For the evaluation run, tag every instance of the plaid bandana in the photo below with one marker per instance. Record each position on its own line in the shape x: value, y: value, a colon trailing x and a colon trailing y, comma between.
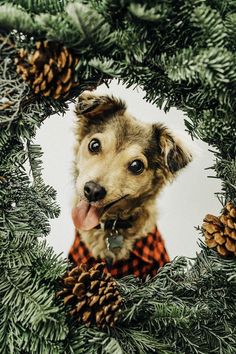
x: 147, y: 256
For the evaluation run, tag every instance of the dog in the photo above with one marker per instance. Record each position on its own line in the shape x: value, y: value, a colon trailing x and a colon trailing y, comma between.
x: 120, y: 166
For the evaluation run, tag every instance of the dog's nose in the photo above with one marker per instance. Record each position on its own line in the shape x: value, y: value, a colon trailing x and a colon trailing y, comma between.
x: 93, y: 191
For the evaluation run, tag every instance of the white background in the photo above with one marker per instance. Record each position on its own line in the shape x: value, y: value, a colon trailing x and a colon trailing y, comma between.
x: 182, y: 205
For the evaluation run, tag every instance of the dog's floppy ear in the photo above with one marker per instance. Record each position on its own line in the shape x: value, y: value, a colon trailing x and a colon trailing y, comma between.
x: 97, y: 107
x: 174, y: 153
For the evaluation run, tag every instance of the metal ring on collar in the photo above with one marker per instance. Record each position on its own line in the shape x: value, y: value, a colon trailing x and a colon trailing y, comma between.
x: 114, y: 224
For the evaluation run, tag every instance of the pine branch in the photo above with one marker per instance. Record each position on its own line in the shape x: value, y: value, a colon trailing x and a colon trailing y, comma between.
x: 12, y: 17
x: 38, y: 6
x: 211, y: 67
x: 230, y: 22
x: 108, y: 67
x: 210, y: 25
x: 91, y: 27
x: 155, y: 14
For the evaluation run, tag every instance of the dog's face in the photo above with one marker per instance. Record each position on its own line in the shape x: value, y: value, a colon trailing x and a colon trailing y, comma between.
x: 120, y: 162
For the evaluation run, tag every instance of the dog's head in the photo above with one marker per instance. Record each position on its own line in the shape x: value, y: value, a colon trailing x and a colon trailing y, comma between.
x: 120, y: 162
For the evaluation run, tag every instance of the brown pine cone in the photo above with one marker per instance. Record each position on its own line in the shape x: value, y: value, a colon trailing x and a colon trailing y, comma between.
x: 92, y: 295
x: 49, y: 69
x: 220, y: 232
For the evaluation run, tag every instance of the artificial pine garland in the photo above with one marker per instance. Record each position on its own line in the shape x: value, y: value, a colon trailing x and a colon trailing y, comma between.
x: 182, y: 53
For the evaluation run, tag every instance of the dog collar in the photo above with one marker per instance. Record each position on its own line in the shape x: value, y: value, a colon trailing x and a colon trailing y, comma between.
x: 115, y: 224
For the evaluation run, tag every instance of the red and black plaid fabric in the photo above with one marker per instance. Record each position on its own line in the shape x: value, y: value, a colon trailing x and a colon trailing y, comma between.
x: 147, y: 256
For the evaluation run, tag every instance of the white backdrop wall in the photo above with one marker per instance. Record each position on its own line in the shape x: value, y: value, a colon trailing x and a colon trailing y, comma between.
x: 182, y: 204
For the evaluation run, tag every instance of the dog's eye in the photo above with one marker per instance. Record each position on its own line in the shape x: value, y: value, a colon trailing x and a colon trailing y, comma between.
x: 94, y: 146
x: 136, y: 167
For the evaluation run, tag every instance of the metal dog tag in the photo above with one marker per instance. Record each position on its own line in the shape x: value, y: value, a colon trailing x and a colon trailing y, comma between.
x: 114, y: 241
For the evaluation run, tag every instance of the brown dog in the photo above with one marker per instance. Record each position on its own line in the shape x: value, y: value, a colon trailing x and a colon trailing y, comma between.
x: 120, y: 167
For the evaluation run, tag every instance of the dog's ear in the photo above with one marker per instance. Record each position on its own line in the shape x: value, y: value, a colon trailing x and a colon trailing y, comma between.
x: 97, y: 108
x: 175, y: 155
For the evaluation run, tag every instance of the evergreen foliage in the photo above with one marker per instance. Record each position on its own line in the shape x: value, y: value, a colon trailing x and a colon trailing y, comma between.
x: 182, y: 53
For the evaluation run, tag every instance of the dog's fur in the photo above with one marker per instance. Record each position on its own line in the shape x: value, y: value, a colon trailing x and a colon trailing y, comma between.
x: 123, y: 140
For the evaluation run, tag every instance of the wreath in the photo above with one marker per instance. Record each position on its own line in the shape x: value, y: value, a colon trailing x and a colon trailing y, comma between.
x: 182, y: 54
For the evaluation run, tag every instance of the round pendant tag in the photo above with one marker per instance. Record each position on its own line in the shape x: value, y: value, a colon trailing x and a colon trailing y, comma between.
x: 114, y: 241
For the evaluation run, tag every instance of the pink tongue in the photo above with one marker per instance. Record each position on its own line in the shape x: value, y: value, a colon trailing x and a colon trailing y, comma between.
x: 85, y: 216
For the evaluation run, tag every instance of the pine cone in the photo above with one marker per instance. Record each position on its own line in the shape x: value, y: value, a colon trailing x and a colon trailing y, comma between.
x: 49, y: 69
x: 220, y: 232
x: 92, y: 295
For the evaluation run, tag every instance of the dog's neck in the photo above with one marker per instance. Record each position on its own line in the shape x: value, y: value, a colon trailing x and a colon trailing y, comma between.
x: 143, y: 219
